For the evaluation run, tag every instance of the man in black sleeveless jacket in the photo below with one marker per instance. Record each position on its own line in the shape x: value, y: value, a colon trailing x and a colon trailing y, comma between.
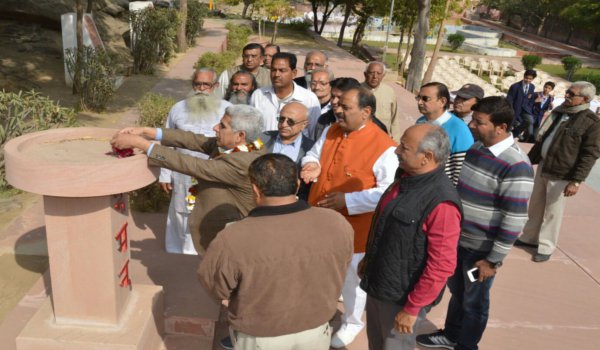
x: 411, y: 250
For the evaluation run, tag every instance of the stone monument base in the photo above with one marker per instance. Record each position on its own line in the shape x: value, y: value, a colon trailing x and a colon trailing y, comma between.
x: 140, y: 328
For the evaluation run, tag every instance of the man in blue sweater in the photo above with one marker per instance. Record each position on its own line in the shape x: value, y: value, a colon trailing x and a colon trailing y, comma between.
x: 433, y: 101
x: 494, y: 187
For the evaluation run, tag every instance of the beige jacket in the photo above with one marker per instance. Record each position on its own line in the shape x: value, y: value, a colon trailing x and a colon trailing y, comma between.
x: 224, y: 189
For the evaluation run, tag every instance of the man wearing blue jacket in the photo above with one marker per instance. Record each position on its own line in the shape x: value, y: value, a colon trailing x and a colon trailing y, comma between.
x: 521, y: 97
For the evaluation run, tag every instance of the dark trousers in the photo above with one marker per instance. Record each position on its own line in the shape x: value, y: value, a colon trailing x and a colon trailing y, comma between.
x: 526, y: 125
x: 469, y: 305
x: 380, y: 327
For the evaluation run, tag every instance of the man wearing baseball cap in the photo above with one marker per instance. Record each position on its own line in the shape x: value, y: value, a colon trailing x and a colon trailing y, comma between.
x: 464, y: 99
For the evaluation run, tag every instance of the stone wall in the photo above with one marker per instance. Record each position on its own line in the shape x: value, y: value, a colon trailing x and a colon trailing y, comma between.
x: 51, y: 10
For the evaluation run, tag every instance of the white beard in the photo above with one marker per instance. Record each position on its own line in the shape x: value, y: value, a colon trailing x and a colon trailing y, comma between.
x: 202, y: 105
x: 239, y: 98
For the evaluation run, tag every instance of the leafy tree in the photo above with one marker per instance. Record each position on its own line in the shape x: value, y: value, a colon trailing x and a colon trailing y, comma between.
x: 456, y: 40
x: 586, y: 13
x: 530, y: 61
x: 276, y: 10
x: 571, y: 65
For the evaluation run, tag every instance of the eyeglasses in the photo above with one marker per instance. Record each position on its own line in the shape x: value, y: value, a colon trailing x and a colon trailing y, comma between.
x: 202, y: 84
x: 290, y: 121
x: 424, y: 98
x: 570, y: 92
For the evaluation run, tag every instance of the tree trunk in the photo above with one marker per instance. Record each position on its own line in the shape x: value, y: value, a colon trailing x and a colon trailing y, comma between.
x: 325, y: 18
x: 358, y: 34
x: 315, y: 10
x: 399, y: 46
x: 571, y: 30
x: 275, y: 31
x: 438, y: 46
x: 79, y: 50
x: 181, y: 38
x: 541, y: 26
x: 346, y: 16
x: 415, y: 69
x: 595, y: 42
x: 408, y: 49
x: 245, y: 10
x: 89, y: 6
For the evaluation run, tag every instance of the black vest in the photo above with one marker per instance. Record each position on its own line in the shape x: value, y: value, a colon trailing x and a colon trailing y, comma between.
x: 397, y: 246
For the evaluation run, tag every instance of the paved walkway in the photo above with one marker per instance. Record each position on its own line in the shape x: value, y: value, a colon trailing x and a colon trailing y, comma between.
x: 554, y: 305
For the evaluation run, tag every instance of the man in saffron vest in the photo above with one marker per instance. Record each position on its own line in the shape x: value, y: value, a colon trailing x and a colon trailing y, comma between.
x: 351, y: 165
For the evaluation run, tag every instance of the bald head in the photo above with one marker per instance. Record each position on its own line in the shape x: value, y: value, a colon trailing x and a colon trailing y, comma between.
x: 293, y: 118
x: 423, y: 148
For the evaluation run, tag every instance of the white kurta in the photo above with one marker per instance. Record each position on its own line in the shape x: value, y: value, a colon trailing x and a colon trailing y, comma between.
x: 177, y: 233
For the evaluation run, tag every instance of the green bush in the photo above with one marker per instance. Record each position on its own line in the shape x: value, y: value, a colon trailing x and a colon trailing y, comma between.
x: 154, y: 109
x: 25, y: 112
x: 456, y: 40
x: 154, y: 33
x: 530, y: 61
x: 571, y: 65
x: 594, y: 79
x: 237, y: 38
x: 98, y: 75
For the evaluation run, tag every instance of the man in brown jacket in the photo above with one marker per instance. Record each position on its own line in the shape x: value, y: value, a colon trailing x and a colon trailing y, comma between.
x: 281, y: 273
x: 566, y: 149
x: 224, y: 191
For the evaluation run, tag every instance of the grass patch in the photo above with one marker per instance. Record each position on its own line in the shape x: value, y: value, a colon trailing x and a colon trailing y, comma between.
x: 288, y: 35
x: 558, y: 71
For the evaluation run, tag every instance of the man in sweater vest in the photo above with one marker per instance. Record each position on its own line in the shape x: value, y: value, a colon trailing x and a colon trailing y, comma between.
x: 353, y: 162
x: 411, y: 250
x: 494, y: 185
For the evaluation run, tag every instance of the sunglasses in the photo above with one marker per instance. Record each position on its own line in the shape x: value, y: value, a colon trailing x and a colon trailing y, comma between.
x: 571, y: 93
x: 424, y: 98
x: 290, y: 122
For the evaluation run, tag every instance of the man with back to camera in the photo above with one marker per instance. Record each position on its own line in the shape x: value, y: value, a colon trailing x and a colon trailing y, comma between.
x: 281, y: 273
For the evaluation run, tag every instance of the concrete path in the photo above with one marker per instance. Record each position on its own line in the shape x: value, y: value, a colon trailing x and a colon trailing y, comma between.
x: 554, y: 305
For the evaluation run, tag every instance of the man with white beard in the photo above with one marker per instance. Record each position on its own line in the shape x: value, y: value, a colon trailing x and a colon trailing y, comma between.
x: 199, y: 112
x: 241, y: 86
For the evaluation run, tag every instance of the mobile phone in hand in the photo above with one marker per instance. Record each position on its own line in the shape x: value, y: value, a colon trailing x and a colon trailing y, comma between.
x: 473, y: 274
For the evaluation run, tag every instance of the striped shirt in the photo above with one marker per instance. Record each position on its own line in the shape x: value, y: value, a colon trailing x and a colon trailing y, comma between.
x: 494, y: 186
x: 460, y: 138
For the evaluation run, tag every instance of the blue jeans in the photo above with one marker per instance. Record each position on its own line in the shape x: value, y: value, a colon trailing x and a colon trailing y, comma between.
x: 469, y: 305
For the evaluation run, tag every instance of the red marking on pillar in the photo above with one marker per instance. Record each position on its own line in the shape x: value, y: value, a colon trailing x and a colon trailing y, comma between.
x: 124, y: 275
x: 121, y: 237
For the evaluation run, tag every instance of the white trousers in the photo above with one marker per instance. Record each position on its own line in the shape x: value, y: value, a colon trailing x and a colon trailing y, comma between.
x: 355, y: 299
x: 546, y: 208
x: 312, y: 339
x: 178, y: 238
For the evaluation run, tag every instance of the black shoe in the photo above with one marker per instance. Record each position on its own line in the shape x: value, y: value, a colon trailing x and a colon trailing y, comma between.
x: 541, y: 257
x: 519, y: 243
x: 226, y: 343
x: 435, y: 340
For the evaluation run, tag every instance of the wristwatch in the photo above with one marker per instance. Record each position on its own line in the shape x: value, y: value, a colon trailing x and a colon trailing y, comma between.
x: 494, y: 265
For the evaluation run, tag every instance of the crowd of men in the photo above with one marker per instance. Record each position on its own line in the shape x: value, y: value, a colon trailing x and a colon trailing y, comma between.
x: 307, y: 191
